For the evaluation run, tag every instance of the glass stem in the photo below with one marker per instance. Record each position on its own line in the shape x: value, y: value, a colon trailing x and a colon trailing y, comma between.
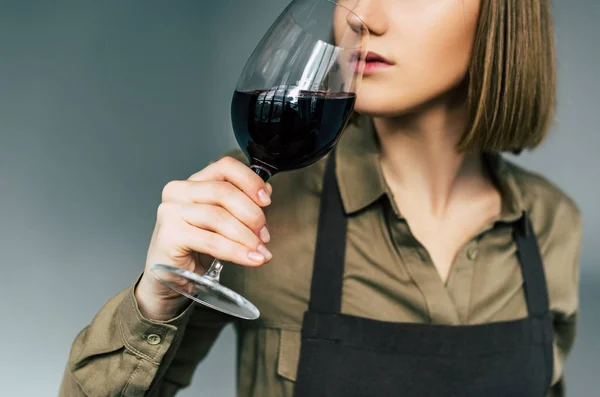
x: 264, y: 173
x: 214, y: 272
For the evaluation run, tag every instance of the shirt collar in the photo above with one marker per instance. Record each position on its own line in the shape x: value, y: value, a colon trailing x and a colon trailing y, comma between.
x: 361, y: 179
x: 511, y: 190
x: 358, y: 169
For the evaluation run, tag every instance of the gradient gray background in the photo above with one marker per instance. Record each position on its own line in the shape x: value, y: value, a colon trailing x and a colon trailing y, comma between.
x: 103, y: 102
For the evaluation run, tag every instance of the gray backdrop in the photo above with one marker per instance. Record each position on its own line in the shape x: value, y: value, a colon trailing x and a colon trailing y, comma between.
x: 103, y: 102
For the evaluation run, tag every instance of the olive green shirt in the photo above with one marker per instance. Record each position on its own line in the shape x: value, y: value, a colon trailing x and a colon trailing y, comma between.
x: 388, y: 276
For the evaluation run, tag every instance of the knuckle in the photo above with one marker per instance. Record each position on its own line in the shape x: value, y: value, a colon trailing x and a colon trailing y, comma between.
x: 224, y: 190
x: 253, y: 181
x: 216, y: 214
x: 168, y: 236
x: 171, y: 189
x: 227, y: 161
x: 196, y: 174
x: 165, y: 210
x: 214, y: 219
x: 252, y: 242
x: 230, y: 189
x: 257, y: 218
x: 210, y: 242
x: 243, y: 235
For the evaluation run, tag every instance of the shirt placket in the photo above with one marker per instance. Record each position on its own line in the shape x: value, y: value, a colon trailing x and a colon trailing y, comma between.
x: 460, y: 280
x: 421, y: 269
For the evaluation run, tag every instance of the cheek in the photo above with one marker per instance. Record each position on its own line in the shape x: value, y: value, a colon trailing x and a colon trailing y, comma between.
x: 431, y: 45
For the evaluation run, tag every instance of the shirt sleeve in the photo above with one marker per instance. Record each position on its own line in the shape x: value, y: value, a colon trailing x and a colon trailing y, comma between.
x: 121, y: 353
x: 562, y: 256
x: 564, y: 334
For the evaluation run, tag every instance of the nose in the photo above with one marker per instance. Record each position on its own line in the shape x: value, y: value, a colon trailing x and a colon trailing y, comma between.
x: 355, y: 22
x: 372, y: 14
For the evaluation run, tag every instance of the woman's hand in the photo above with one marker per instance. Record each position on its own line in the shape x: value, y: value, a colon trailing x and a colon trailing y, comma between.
x: 217, y: 212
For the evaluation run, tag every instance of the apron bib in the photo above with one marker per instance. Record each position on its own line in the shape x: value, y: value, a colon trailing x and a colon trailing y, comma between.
x: 349, y: 356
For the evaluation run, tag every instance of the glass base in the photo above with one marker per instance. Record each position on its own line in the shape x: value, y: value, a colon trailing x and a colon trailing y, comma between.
x: 207, y: 291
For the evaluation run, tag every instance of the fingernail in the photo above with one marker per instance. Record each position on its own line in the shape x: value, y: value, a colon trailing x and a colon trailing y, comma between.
x: 256, y: 257
x: 264, y: 235
x: 269, y: 188
x: 263, y: 196
x: 265, y: 252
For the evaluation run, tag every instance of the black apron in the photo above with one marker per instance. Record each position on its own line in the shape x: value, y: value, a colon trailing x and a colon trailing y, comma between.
x: 348, y: 356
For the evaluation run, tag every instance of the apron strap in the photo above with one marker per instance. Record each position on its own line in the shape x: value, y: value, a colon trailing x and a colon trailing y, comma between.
x: 330, y: 250
x: 532, y: 267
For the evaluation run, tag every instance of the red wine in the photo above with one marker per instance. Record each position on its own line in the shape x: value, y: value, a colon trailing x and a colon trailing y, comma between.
x: 284, y: 129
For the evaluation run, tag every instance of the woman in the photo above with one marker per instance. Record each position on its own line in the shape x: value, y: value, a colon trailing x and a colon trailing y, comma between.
x: 414, y: 260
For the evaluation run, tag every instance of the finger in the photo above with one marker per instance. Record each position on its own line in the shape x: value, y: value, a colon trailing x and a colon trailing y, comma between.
x: 222, y: 194
x: 233, y: 171
x: 218, y: 220
x: 217, y: 246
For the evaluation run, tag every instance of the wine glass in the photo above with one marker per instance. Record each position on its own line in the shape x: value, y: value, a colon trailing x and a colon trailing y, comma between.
x: 291, y: 104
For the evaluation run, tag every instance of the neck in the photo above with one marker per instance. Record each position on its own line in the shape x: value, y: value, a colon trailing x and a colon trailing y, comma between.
x: 420, y: 160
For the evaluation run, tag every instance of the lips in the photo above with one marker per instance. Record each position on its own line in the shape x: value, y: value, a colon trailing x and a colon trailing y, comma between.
x: 375, y: 57
x: 374, y: 63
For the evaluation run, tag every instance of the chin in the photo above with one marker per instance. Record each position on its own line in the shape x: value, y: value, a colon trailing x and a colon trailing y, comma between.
x: 378, y: 104
x: 387, y: 102
x: 389, y: 97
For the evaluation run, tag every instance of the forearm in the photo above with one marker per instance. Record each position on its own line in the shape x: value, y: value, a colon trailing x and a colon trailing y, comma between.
x: 121, y: 352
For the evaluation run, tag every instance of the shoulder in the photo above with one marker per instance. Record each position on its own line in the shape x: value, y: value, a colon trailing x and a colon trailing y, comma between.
x: 546, y: 202
x: 557, y: 223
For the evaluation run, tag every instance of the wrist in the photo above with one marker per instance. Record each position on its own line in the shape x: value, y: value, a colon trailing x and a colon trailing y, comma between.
x: 157, y: 308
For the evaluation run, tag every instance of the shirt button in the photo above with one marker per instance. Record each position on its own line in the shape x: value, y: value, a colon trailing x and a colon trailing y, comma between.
x: 153, y: 339
x: 472, y: 253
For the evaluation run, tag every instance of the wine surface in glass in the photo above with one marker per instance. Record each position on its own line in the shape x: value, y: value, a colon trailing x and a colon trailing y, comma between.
x: 284, y: 128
